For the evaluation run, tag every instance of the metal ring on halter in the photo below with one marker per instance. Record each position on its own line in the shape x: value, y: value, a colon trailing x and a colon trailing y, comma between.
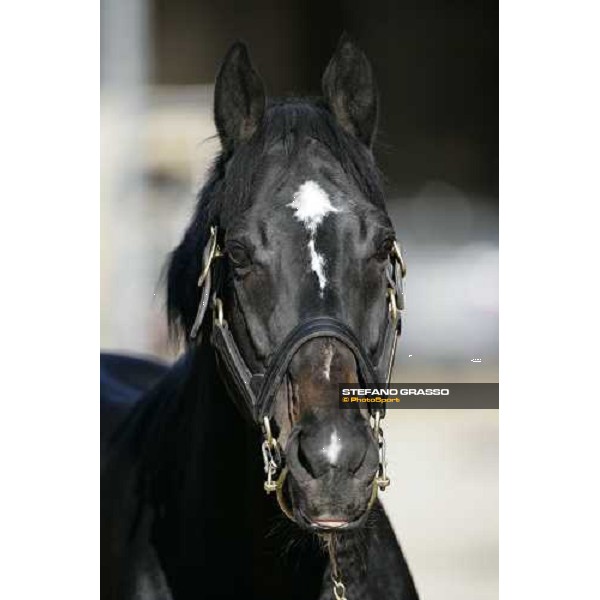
x: 271, y: 466
x: 271, y: 457
x: 339, y: 589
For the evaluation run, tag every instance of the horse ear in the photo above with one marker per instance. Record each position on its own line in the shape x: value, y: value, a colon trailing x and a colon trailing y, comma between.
x: 350, y: 90
x: 239, y: 98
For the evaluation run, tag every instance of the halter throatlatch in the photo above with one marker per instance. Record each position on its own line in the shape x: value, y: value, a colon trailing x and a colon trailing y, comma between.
x: 255, y: 392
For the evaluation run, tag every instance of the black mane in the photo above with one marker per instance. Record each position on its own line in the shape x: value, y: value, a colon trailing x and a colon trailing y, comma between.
x: 287, y: 122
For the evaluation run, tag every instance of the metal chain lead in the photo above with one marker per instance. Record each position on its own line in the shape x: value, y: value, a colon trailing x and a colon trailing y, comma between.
x: 339, y: 589
x: 382, y: 480
x: 271, y: 457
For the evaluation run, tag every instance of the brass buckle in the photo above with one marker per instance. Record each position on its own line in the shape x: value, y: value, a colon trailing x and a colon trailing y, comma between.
x: 397, y: 252
x: 211, y: 251
x: 391, y: 292
x: 218, y: 311
x: 396, y: 280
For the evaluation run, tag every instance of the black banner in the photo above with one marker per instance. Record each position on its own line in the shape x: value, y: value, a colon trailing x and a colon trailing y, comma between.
x: 420, y: 395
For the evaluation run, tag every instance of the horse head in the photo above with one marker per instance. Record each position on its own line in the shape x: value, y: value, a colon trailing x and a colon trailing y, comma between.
x: 293, y: 248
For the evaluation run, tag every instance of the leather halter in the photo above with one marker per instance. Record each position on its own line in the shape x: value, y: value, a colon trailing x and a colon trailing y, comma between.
x: 254, y: 392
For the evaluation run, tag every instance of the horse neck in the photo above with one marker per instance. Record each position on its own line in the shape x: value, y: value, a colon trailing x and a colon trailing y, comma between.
x: 215, y: 510
x: 215, y: 449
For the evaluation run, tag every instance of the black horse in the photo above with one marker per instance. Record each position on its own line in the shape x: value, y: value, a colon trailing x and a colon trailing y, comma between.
x: 286, y: 283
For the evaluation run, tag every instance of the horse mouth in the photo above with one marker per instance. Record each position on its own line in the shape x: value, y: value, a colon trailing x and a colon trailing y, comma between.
x: 329, y: 525
x: 323, y: 524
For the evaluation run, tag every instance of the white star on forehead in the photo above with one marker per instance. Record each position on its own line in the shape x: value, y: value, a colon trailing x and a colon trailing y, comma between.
x: 311, y: 205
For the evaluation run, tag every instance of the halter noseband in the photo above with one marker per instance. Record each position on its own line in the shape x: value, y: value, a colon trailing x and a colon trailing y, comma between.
x: 255, y: 392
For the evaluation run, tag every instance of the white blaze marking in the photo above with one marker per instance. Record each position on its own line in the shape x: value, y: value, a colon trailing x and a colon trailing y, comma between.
x: 317, y: 264
x: 333, y: 450
x: 312, y: 205
x: 328, y: 359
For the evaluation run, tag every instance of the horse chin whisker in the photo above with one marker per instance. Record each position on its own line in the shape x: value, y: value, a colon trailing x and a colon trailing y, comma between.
x: 289, y: 537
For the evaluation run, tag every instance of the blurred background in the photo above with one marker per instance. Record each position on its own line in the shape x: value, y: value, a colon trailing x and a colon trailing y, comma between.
x: 437, y: 71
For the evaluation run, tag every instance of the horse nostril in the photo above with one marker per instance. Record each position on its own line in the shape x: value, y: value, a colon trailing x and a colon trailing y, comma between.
x: 337, y: 452
x: 305, y: 462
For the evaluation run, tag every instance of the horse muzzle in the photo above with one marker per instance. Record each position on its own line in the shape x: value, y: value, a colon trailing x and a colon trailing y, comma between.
x: 331, y: 464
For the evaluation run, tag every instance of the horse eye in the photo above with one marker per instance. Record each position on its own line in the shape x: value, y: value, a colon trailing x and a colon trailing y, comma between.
x: 238, y: 255
x: 385, y: 249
